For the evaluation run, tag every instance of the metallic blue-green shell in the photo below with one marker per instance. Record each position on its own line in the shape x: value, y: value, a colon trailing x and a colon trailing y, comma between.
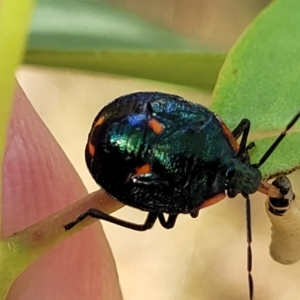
x: 188, y: 159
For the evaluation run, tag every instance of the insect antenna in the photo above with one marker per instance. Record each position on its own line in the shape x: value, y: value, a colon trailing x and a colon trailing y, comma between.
x: 249, y: 249
x: 277, y: 141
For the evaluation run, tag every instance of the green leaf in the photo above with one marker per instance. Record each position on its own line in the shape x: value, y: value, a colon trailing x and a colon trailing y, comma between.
x: 90, y: 25
x: 92, y: 36
x: 260, y: 81
x: 197, y: 70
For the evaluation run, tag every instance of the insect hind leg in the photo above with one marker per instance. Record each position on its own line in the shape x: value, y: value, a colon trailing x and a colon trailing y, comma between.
x: 94, y: 213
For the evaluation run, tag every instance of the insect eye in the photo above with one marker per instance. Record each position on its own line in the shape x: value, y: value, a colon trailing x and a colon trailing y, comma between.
x: 230, y: 172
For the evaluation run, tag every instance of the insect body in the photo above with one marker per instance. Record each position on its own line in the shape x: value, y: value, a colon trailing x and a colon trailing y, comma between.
x: 162, y: 154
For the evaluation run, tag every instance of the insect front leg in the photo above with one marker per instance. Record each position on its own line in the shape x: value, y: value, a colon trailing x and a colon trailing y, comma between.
x: 94, y: 213
x: 243, y: 129
x: 240, y: 128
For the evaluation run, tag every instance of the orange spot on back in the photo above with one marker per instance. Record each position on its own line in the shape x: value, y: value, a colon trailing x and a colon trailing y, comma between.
x: 99, y: 121
x: 144, y: 169
x: 91, y: 149
x: 156, y: 126
x: 213, y: 200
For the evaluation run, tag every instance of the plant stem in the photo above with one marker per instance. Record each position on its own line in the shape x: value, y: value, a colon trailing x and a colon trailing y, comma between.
x: 18, y: 251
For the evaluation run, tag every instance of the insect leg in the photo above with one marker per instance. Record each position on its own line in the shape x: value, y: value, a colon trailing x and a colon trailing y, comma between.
x: 195, y: 213
x: 169, y: 223
x: 94, y: 213
x: 250, y: 146
x: 243, y: 129
x: 240, y: 128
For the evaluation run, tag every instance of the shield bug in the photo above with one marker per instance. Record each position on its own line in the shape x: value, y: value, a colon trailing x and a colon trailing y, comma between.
x: 162, y: 154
